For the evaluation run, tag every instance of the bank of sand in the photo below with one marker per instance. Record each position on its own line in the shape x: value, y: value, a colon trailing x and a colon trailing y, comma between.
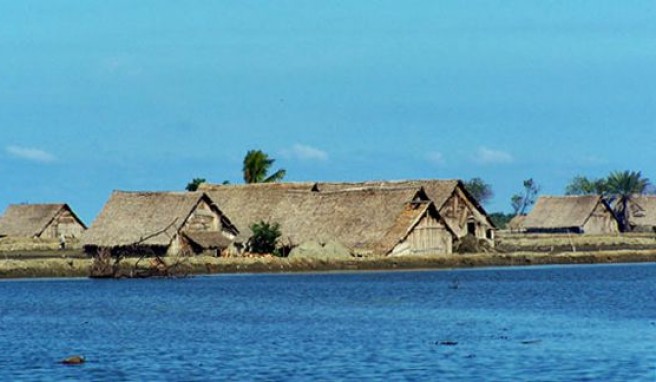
x: 79, y: 267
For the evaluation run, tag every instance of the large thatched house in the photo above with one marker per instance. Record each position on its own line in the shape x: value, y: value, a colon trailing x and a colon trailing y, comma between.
x: 642, y: 213
x: 247, y: 204
x: 160, y: 222
x: 43, y: 221
x: 575, y: 214
x: 456, y: 205
x: 367, y: 221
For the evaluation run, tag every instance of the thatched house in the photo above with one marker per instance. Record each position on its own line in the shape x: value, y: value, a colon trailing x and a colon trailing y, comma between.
x: 368, y: 221
x: 43, y: 221
x: 576, y: 214
x: 247, y: 204
x: 456, y: 205
x: 642, y: 213
x: 516, y: 224
x: 159, y: 222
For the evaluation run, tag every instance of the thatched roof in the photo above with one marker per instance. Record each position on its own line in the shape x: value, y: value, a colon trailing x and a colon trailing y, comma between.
x: 553, y: 212
x: 246, y: 204
x: 208, y: 239
x: 364, y: 220
x: 147, y: 218
x: 29, y: 220
x: 643, y: 210
x: 517, y: 222
x: 438, y: 190
x: 371, y: 219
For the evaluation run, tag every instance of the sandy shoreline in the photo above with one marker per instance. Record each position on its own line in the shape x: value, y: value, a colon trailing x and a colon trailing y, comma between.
x: 79, y: 267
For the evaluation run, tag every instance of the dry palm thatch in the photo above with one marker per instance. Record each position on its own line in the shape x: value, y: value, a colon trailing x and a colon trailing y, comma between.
x: 517, y: 223
x: 31, y: 220
x: 563, y: 212
x: 208, y: 239
x: 251, y: 203
x: 370, y: 219
x: 132, y: 217
x: 643, y: 212
x: 439, y: 191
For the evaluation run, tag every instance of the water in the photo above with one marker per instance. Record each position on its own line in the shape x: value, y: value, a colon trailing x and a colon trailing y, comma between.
x: 575, y: 323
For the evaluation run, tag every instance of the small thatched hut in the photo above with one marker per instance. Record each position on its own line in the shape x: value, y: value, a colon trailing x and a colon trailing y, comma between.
x: 576, y: 214
x: 516, y: 224
x: 160, y: 222
x: 367, y: 221
x: 43, y: 221
x: 456, y: 205
x: 642, y: 215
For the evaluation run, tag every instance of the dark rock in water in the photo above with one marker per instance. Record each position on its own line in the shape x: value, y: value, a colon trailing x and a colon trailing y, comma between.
x: 447, y: 343
x: 73, y: 360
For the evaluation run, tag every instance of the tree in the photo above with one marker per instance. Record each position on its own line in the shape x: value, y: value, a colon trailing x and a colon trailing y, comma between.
x: 265, y: 237
x: 193, y: 185
x: 621, y: 186
x: 256, y: 168
x: 501, y: 219
x: 480, y: 190
x: 580, y: 185
x: 522, y: 201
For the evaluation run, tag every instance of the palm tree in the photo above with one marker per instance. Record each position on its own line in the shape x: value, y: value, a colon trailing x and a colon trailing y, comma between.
x: 256, y: 168
x: 620, y: 187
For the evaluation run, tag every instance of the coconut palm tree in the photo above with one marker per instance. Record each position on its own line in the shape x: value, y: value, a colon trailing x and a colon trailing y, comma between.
x: 256, y: 168
x: 620, y: 187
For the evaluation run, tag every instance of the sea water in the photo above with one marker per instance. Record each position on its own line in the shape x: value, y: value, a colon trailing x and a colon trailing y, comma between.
x: 557, y: 323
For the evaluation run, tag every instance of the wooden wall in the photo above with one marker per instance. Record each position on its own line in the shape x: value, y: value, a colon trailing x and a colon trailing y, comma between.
x: 63, y: 224
x: 428, y: 237
x: 203, y: 218
x: 601, y: 221
x: 458, y: 211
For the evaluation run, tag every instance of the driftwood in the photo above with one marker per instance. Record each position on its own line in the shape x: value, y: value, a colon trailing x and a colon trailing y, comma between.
x: 108, y: 262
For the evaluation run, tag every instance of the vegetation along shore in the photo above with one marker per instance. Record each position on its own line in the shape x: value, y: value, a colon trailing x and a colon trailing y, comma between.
x: 526, y: 251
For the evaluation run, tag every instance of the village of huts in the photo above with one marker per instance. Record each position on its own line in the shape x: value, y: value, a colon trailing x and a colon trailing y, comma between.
x: 372, y: 218
x: 361, y: 219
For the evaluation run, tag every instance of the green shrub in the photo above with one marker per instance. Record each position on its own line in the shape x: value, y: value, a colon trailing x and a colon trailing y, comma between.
x: 265, y: 236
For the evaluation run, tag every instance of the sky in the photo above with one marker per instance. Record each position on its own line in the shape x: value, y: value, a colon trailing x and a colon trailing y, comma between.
x: 145, y: 95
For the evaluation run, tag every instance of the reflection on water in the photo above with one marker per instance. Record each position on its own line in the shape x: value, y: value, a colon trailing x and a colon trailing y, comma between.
x: 544, y: 323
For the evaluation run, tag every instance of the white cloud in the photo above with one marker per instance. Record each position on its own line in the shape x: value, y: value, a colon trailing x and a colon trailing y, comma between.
x: 485, y: 156
x: 435, y: 158
x: 30, y: 154
x: 306, y: 153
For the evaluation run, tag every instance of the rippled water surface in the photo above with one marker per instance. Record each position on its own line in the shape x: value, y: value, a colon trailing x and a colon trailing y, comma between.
x: 585, y: 323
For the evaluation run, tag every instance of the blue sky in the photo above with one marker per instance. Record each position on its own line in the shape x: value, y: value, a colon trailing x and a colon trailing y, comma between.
x: 145, y: 95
